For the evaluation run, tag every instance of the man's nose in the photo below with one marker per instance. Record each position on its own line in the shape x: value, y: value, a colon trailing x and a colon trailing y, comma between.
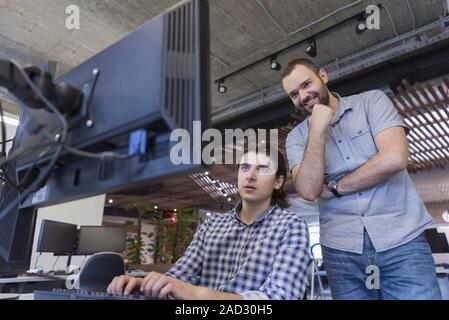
x: 252, y: 174
x: 304, y: 97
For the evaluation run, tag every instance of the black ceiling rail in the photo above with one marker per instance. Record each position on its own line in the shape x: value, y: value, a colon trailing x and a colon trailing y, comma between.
x: 276, y: 54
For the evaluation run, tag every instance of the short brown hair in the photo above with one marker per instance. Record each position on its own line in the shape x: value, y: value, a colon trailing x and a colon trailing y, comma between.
x: 300, y: 62
x: 279, y: 196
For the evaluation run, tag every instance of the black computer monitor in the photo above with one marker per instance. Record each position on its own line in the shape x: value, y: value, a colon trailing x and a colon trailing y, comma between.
x: 57, y: 237
x: 16, y: 225
x: 156, y: 79
x: 95, y: 239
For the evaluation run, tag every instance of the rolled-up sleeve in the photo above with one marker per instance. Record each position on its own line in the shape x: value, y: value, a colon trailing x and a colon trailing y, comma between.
x: 288, y: 277
x: 188, y: 267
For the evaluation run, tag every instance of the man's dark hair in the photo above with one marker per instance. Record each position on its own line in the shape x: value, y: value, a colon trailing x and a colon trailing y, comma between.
x: 279, y: 197
x: 300, y: 62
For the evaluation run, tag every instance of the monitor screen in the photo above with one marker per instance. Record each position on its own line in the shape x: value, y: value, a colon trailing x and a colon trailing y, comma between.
x: 56, y: 237
x: 94, y: 239
x: 437, y: 241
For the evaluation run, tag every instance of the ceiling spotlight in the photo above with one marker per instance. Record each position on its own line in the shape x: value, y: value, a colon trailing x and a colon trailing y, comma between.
x: 156, y: 207
x: 311, y: 48
x: 274, y: 65
x: 208, y: 214
x: 229, y: 199
x: 206, y: 173
x: 221, y: 87
x: 361, y: 25
x: 176, y: 210
x: 111, y: 201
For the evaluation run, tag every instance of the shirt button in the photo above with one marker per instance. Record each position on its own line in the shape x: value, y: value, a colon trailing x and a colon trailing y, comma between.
x: 339, y: 141
x: 347, y: 158
x: 360, y: 194
x: 362, y: 214
x: 360, y: 131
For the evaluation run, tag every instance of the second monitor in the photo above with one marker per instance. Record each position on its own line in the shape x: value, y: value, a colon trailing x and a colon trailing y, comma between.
x: 94, y: 239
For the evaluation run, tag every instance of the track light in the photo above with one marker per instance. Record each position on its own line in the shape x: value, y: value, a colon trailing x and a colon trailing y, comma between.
x: 274, y: 65
x: 361, y: 25
x: 221, y: 87
x: 311, y: 48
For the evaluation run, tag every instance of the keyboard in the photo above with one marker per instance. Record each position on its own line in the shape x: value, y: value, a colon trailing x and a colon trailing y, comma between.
x: 72, y: 294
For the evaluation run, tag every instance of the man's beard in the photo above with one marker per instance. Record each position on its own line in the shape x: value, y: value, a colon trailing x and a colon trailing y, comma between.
x: 322, y: 96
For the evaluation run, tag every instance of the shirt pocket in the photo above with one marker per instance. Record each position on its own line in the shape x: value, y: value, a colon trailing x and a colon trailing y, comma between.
x: 362, y: 141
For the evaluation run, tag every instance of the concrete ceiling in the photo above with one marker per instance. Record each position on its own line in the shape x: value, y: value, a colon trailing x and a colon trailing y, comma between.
x: 241, y: 32
x: 33, y: 31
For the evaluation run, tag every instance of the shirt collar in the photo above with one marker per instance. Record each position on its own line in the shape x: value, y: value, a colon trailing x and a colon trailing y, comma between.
x: 265, y: 214
x: 344, y: 106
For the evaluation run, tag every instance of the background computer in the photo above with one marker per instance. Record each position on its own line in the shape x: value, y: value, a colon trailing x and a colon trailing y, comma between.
x: 57, y: 237
x: 95, y: 239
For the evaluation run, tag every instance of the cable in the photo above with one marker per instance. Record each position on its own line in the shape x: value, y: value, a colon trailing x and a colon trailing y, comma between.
x: 325, y: 17
x: 7, y: 141
x: 53, y: 268
x: 37, y: 258
x: 82, y: 263
x: 269, y: 16
x: 412, y: 14
x: 59, y: 148
x: 60, y: 142
x: 101, y: 155
x: 391, y: 20
x: 3, y: 167
x: 445, y: 7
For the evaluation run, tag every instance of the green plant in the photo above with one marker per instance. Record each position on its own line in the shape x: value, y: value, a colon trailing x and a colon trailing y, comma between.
x: 174, y: 232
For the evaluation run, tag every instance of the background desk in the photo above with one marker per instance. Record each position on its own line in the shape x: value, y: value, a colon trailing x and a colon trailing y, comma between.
x: 27, y: 284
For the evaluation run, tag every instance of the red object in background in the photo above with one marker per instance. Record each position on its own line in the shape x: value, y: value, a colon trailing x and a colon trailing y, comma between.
x: 173, y: 218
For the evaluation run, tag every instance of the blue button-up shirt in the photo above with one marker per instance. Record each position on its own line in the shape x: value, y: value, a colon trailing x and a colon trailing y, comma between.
x: 392, y: 212
x: 266, y: 259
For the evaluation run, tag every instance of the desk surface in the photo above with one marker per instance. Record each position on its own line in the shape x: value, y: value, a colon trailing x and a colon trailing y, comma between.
x: 31, y: 279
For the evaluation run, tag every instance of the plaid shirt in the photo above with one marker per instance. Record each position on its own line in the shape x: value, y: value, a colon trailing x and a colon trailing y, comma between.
x: 264, y: 260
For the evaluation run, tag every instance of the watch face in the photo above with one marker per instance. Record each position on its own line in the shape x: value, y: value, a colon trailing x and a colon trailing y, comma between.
x: 332, y: 184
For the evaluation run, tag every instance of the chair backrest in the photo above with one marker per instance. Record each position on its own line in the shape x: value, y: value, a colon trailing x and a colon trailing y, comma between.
x: 99, y: 270
x: 310, y: 278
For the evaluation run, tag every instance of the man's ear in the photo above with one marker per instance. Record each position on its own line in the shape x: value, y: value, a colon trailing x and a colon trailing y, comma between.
x: 278, y: 182
x: 323, y: 75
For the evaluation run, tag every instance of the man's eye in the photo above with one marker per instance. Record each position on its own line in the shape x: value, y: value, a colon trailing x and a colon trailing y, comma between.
x: 307, y: 84
x: 294, y: 95
x: 265, y: 170
x: 244, y: 167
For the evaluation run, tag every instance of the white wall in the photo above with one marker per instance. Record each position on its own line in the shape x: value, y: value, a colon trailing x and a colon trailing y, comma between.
x: 81, y: 212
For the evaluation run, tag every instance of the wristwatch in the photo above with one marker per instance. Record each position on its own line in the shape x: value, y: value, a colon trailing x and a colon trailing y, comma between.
x: 332, y: 185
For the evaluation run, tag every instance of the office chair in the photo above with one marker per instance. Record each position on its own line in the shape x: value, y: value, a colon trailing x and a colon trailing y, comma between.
x: 316, y: 276
x: 99, y: 270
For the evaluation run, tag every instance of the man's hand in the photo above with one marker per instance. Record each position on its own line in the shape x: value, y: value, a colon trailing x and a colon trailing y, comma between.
x: 159, y: 285
x: 326, y: 193
x: 123, y: 285
x: 321, y: 117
